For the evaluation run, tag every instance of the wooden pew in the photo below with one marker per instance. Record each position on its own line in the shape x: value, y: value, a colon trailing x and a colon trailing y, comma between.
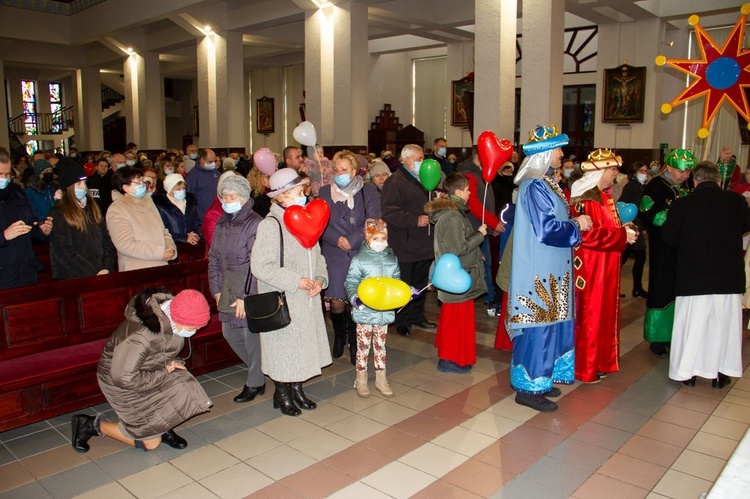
x: 51, y: 336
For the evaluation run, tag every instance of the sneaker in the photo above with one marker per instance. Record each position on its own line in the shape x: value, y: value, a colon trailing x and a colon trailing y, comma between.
x: 448, y: 366
x: 492, y: 312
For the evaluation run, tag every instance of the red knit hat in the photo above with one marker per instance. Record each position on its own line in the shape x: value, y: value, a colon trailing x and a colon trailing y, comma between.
x: 190, y: 308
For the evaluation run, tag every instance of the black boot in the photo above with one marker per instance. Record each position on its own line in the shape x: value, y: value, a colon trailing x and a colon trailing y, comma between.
x: 721, y: 381
x: 536, y: 402
x: 300, y: 399
x: 83, y: 429
x: 248, y: 393
x: 282, y: 399
x: 660, y: 349
x: 173, y: 440
x: 351, y: 337
x: 689, y: 382
x: 339, y: 333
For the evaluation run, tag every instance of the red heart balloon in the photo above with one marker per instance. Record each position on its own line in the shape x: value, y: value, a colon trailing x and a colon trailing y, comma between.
x: 307, y: 223
x: 493, y: 152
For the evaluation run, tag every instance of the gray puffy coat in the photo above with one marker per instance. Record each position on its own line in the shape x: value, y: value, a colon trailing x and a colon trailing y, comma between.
x: 370, y: 263
x: 454, y: 234
x: 133, y: 375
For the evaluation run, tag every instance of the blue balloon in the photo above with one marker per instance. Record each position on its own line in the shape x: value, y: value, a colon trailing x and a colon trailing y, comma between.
x: 627, y: 211
x: 450, y: 276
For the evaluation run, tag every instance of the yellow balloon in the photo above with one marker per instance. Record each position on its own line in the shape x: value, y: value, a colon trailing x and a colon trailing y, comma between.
x: 384, y: 293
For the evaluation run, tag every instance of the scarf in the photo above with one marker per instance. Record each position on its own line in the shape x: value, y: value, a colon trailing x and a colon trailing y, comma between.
x: 589, y: 180
x: 339, y: 195
x: 180, y: 204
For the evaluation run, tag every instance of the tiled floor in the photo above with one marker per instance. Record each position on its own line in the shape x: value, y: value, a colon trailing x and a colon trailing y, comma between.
x: 635, y: 434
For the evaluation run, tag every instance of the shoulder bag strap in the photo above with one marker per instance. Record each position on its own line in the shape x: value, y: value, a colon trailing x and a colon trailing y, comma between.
x: 249, y: 279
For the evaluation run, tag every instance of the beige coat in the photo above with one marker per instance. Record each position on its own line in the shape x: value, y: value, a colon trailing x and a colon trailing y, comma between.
x: 138, y: 233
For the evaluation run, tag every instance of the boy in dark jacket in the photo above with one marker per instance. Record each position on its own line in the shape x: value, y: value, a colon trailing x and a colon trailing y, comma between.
x: 456, y: 332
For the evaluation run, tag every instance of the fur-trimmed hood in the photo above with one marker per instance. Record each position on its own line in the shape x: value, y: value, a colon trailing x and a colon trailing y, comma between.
x: 436, y: 208
x: 144, y: 308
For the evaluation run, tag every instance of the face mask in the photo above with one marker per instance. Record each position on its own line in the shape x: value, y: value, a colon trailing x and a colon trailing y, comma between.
x: 4, y: 182
x: 168, y: 172
x: 236, y: 161
x: 230, y: 208
x: 378, y: 245
x: 655, y: 169
x: 135, y: 151
x: 642, y: 177
x: 441, y: 152
x: 120, y: 165
x: 157, y: 164
x: 47, y: 177
x: 194, y: 156
x: 81, y: 193
x: 300, y: 200
x: 210, y: 166
x: 417, y: 166
x: 109, y: 160
x: 577, y: 167
x: 130, y: 162
x: 140, y: 191
x: 452, y: 161
x: 179, y: 195
x: 342, y: 180
x: 567, y: 173
x: 73, y: 155
x: 184, y: 333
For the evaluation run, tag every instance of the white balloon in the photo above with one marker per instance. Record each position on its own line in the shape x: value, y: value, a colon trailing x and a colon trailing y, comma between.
x: 305, y: 134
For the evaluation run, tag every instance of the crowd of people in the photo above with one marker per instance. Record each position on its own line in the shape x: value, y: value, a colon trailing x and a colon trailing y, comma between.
x: 543, y: 244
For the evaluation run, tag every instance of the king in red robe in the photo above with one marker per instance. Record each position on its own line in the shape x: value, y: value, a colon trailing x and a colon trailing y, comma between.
x: 597, y: 269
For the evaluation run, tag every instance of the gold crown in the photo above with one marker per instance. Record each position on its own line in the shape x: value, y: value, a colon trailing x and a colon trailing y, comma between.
x: 601, y: 155
x: 543, y: 133
x: 601, y: 159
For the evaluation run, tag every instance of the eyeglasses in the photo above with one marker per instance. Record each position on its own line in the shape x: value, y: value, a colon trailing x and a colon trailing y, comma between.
x: 148, y: 182
x: 136, y: 183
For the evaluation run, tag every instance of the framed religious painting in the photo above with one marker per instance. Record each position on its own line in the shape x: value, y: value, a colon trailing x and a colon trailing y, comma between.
x: 624, y: 94
x: 264, y: 115
x: 459, y: 114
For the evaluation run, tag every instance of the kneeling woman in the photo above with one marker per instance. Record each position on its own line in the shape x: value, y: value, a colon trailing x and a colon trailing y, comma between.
x: 140, y: 375
x: 297, y: 352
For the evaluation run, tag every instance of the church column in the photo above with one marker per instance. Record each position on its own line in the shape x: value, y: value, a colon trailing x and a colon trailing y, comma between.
x: 542, y: 64
x: 336, y: 73
x: 222, y: 93
x: 144, y: 101
x: 4, y: 137
x: 89, y: 132
x: 495, y: 77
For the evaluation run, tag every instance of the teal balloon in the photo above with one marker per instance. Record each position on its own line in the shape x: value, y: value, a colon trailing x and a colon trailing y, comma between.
x: 450, y: 276
x: 429, y: 174
x: 627, y: 211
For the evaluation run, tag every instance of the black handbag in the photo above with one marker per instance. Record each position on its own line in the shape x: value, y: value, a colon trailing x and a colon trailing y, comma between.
x: 268, y: 311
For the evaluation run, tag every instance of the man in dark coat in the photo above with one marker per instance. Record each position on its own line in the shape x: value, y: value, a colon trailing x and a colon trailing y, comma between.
x: 658, y: 196
x: 402, y: 202
x: 100, y: 185
x: 18, y: 264
x: 439, y: 154
x: 706, y: 228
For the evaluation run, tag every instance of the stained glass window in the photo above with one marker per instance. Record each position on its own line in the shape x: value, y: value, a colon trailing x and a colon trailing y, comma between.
x: 55, y: 107
x: 28, y: 90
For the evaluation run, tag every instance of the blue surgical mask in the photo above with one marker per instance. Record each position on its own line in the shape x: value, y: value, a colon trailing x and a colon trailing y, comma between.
x: 441, y: 152
x: 210, y: 166
x: 179, y: 195
x: 300, y: 200
x: 567, y: 173
x: 130, y: 162
x: 342, y: 180
x: 109, y: 160
x: 236, y: 161
x: 4, y: 182
x: 232, y: 207
x: 194, y: 156
x: 184, y: 333
x: 417, y: 166
x: 140, y: 191
x: 81, y: 193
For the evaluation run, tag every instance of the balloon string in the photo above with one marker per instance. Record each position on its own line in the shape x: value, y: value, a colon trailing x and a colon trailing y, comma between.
x: 309, y: 254
x: 410, y: 299
x: 317, y: 159
x: 429, y: 198
x: 484, y: 201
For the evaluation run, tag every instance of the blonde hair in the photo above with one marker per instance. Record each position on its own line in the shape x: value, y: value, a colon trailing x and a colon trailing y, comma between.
x: 255, y: 177
x: 347, y: 155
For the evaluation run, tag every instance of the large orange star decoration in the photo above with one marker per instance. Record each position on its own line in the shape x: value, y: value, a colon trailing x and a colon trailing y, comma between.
x: 721, y: 74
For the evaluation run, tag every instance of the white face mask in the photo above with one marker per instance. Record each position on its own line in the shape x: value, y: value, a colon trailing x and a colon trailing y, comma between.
x: 130, y: 162
x: 168, y: 171
x: 378, y: 245
x: 210, y: 166
x: 642, y: 177
x: 184, y: 333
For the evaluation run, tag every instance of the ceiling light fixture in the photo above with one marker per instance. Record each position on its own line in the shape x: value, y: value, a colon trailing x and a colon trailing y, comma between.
x: 322, y: 4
